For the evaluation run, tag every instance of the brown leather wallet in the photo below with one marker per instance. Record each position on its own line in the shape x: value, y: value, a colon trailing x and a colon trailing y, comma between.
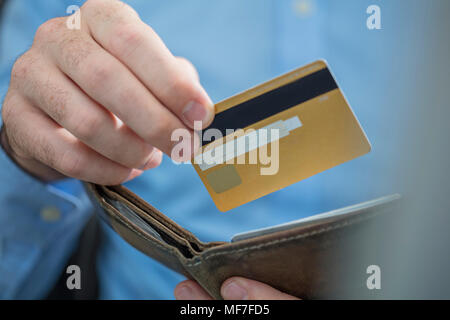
x: 322, y: 258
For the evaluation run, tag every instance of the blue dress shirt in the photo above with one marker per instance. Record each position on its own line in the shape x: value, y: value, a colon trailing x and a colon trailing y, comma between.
x: 234, y: 44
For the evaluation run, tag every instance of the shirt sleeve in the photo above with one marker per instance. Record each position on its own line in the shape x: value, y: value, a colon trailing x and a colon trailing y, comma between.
x: 39, y: 223
x: 39, y: 228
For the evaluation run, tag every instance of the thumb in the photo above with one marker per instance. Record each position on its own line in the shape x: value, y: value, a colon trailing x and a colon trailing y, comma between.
x: 238, y: 288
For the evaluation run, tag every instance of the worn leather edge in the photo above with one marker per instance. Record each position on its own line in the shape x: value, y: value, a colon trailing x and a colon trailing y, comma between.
x: 162, y: 218
x: 152, y: 247
x: 161, y: 228
x: 212, y: 283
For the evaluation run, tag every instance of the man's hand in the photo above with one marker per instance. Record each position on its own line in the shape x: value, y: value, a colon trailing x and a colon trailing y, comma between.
x: 99, y: 104
x: 233, y: 289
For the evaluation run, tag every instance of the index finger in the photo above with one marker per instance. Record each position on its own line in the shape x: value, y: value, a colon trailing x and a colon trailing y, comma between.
x: 118, y: 29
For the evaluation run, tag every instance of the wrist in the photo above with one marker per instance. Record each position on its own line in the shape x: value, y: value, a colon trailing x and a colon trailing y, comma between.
x: 30, y: 166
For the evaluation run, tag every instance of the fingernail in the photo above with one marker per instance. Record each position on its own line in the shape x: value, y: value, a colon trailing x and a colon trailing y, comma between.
x: 149, y: 161
x: 195, y: 111
x: 152, y: 162
x: 234, y: 291
x: 184, y: 293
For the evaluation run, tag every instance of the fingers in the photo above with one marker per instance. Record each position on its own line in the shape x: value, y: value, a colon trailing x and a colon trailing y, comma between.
x: 119, y: 30
x: 235, y: 288
x: 37, y: 136
x: 46, y: 87
x: 190, y: 290
x: 238, y: 288
x: 113, y: 86
x: 100, y: 103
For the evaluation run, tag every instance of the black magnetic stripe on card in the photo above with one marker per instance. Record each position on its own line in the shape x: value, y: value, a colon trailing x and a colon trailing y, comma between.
x: 274, y: 102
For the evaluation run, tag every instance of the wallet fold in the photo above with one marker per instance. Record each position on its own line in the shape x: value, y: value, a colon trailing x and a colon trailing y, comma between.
x: 323, y: 259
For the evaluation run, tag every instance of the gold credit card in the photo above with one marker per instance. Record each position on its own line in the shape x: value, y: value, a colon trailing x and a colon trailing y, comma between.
x: 276, y: 134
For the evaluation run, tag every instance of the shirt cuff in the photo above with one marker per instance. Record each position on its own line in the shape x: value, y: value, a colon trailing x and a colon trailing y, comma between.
x: 39, y: 225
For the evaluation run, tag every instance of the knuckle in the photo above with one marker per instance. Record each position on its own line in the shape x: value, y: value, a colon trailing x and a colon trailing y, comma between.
x: 11, y: 109
x: 47, y: 30
x: 75, y: 49
x: 107, y: 9
x: 45, y: 152
x: 126, y: 97
x: 88, y: 128
x: 70, y: 164
x: 127, y: 9
x: 97, y: 73
x: 7, y: 108
x: 56, y: 102
x: 21, y: 68
x: 17, y: 138
x: 122, y: 10
x: 125, y: 39
x: 98, y: 5
x: 93, y: 5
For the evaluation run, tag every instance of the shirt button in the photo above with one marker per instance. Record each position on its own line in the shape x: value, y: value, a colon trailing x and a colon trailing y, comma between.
x: 303, y: 8
x: 50, y: 214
